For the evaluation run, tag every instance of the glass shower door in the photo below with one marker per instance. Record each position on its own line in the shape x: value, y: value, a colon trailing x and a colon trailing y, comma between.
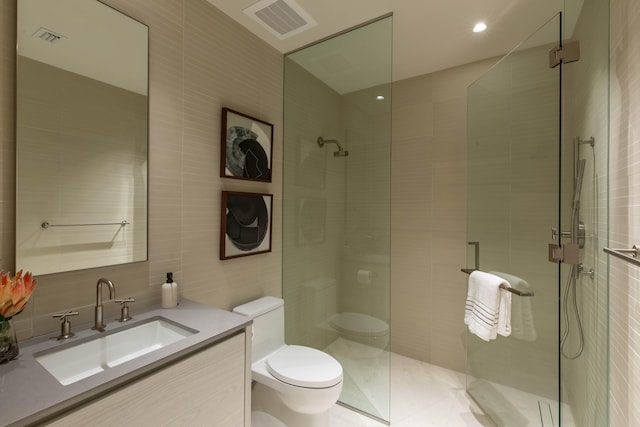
x: 337, y: 209
x: 513, y: 202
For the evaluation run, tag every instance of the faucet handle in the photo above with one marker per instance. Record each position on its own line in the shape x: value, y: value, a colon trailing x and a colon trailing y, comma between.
x: 63, y: 316
x: 124, y: 310
x: 65, y: 326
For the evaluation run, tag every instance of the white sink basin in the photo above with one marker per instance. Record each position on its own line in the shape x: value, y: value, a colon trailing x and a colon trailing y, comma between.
x: 95, y: 355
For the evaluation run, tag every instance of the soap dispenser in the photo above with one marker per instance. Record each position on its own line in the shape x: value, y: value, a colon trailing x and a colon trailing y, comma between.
x: 169, y: 292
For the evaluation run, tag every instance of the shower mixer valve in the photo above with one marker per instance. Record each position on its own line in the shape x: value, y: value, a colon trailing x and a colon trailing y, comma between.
x: 589, y: 273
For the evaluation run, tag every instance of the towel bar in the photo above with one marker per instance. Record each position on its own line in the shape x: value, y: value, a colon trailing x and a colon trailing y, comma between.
x: 622, y: 254
x: 512, y: 290
x: 48, y: 224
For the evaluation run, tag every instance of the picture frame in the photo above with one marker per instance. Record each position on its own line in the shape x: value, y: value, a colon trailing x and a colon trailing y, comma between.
x: 246, y: 147
x: 245, y: 224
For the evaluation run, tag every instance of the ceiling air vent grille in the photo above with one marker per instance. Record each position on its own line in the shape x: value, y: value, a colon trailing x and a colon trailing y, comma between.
x: 283, y: 18
x: 47, y: 35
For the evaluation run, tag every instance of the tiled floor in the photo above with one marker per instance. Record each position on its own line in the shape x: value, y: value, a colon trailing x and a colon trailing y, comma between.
x: 428, y: 395
x: 421, y: 395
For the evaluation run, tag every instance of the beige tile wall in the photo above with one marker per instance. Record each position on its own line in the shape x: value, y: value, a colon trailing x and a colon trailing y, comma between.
x: 624, y: 215
x: 368, y: 210
x: 311, y: 267
x: 200, y: 60
x: 585, y: 86
x: 428, y: 215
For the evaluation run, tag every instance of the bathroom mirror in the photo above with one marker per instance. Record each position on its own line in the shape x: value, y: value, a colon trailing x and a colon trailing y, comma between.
x: 81, y: 136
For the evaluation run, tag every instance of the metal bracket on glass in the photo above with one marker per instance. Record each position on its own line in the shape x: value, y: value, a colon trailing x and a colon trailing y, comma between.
x: 568, y: 253
x: 568, y: 52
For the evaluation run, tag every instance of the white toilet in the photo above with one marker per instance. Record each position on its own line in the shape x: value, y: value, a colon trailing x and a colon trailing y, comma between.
x: 319, y: 298
x: 362, y: 328
x: 297, y: 385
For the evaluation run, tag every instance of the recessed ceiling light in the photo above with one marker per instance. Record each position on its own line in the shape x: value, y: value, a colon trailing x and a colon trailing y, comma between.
x: 379, y: 97
x: 480, y: 27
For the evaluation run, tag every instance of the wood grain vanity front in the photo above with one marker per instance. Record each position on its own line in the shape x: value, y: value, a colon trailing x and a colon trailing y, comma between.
x: 207, y: 388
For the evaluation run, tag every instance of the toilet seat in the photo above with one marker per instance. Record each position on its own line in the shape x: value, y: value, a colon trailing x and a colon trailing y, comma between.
x: 304, y: 367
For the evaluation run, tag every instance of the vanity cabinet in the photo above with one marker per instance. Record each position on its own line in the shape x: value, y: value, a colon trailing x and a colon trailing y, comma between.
x: 207, y: 388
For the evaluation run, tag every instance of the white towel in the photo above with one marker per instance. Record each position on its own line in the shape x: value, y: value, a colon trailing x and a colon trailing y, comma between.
x: 522, y: 324
x: 488, y: 308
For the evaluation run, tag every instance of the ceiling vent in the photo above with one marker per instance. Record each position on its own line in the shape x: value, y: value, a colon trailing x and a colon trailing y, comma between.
x: 283, y: 18
x: 47, y: 35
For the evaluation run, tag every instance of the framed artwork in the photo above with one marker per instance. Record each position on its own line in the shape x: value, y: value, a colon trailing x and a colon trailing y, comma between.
x: 245, y: 224
x: 246, y: 144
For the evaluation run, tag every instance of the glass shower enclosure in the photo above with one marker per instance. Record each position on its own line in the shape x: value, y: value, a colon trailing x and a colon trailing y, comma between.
x: 532, y: 173
x: 336, y: 202
x: 513, y: 202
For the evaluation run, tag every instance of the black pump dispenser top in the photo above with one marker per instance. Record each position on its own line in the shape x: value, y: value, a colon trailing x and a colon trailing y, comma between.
x: 169, y: 277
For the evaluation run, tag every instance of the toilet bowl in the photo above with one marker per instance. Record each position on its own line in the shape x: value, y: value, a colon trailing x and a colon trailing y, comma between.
x: 320, y: 305
x: 308, y: 381
x: 298, y: 385
x: 362, y: 328
x: 262, y: 419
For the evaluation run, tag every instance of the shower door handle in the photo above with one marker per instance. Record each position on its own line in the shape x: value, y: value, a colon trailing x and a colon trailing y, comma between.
x: 476, y: 258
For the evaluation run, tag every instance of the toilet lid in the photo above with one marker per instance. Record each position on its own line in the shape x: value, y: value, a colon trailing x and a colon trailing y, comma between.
x: 360, y: 324
x: 304, y: 367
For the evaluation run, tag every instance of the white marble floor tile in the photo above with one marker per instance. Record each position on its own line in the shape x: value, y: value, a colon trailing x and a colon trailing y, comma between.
x: 421, y: 395
x: 427, y: 395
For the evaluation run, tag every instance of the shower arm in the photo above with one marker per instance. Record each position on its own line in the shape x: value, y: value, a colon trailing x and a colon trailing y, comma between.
x: 322, y: 141
x: 341, y: 151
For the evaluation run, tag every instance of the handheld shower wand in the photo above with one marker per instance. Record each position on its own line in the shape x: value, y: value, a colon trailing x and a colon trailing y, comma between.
x: 576, y: 270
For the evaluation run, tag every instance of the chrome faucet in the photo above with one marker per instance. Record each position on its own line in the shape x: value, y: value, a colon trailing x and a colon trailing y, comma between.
x: 98, y: 324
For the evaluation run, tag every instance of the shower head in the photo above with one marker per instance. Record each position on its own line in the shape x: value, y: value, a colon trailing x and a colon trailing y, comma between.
x: 341, y: 151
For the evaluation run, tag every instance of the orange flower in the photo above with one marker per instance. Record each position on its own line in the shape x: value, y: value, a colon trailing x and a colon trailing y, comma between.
x: 15, y: 293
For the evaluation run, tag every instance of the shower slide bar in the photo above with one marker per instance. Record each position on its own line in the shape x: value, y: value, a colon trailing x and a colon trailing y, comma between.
x: 622, y: 254
x: 515, y: 291
x: 46, y: 224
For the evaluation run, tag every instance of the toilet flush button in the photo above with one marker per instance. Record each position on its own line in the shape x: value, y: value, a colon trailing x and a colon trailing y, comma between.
x: 305, y: 367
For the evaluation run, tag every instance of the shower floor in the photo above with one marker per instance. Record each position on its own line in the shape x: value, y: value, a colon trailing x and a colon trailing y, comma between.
x: 421, y: 394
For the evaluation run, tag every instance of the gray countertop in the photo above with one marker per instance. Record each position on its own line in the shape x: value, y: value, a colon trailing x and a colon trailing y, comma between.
x: 29, y: 393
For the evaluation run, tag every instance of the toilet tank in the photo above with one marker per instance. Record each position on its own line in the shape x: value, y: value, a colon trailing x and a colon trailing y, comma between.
x: 268, y: 325
x: 319, y: 299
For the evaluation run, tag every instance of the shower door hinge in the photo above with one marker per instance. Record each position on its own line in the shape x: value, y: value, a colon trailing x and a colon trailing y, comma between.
x: 568, y: 253
x: 568, y: 52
